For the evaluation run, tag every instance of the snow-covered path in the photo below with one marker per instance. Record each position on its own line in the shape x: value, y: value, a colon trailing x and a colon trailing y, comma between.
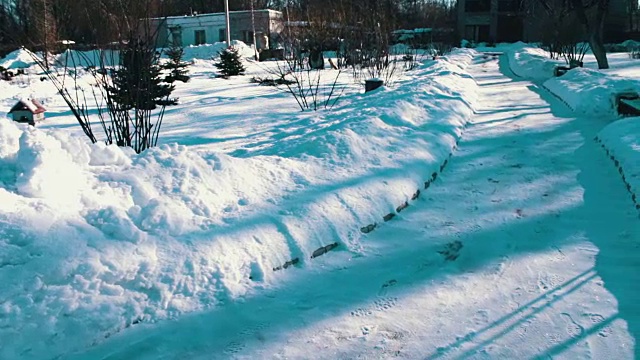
x: 523, y: 248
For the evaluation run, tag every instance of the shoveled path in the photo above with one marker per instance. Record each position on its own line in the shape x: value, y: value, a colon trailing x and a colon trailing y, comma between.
x: 541, y: 240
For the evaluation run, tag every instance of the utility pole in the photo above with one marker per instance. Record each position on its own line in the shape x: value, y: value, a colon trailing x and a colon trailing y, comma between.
x: 253, y: 28
x: 226, y: 12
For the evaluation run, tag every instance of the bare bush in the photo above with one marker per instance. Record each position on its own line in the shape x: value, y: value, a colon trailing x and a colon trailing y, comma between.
x: 574, y: 53
x: 304, y: 83
x: 130, y: 88
x: 634, y: 51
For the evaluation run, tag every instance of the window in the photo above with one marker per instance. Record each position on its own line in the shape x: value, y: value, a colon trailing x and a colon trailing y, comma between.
x: 200, y: 37
x: 176, y: 36
x: 222, y: 35
x: 477, y: 33
x: 477, y: 6
x: 248, y: 37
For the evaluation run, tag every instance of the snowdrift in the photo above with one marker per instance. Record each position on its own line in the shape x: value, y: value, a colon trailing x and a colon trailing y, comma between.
x: 530, y: 62
x: 23, y: 58
x: 584, y: 90
x: 17, y: 59
x: 95, y: 238
x: 621, y: 140
x: 591, y: 92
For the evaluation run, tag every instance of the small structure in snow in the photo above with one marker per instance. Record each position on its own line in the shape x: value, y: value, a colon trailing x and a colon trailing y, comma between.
x: 27, y: 111
x: 372, y: 84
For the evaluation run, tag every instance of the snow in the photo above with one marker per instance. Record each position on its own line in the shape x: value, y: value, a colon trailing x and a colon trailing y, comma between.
x: 531, y: 62
x: 621, y: 140
x: 590, y: 91
x: 209, y: 51
x: 522, y: 247
x: 525, y: 247
x: 586, y: 90
x: 97, y: 239
x: 17, y: 59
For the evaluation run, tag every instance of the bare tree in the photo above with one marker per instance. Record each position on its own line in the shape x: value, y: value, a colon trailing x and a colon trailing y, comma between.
x: 563, y: 17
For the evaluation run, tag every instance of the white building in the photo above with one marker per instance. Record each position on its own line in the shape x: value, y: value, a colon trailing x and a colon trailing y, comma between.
x: 211, y: 28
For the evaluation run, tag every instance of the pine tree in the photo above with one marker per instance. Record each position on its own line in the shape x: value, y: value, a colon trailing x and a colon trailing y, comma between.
x: 176, y: 67
x: 230, y: 63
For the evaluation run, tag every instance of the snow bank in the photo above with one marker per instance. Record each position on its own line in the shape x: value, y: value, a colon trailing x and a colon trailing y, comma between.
x: 17, y: 59
x: 72, y: 58
x: 83, y: 59
x: 586, y: 91
x: 621, y: 140
x: 209, y: 51
x: 591, y: 92
x: 95, y: 238
x: 530, y: 62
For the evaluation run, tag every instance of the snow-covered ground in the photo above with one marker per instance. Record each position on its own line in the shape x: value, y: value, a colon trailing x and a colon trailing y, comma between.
x: 522, y: 247
x: 586, y: 90
x: 96, y: 238
x: 593, y: 92
x: 621, y: 141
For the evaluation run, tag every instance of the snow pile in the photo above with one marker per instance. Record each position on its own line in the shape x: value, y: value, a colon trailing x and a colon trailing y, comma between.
x: 209, y: 51
x: 591, y: 92
x: 621, y: 139
x: 17, y: 59
x: 95, y: 238
x: 530, y: 62
x: 83, y: 59
x: 586, y: 91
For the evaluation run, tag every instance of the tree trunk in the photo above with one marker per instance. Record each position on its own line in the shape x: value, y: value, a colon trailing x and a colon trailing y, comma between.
x: 594, y: 29
x: 597, y: 47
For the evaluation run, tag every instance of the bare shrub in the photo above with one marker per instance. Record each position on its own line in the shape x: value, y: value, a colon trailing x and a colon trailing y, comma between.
x: 304, y: 83
x: 129, y: 88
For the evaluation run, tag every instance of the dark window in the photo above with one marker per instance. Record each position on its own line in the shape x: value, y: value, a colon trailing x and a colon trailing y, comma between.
x: 176, y: 36
x: 222, y: 35
x: 477, y: 33
x: 200, y: 36
x: 477, y: 6
x: 508, y: 5
x: 510, y: 28
x: 248, y: 37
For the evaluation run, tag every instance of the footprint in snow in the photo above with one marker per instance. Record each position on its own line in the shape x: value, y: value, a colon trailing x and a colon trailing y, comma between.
x: 360, y: 312
x: 451, y: 251
x: 384, y: 304
x: 573, y: 328
x: 385, y: 287
x: 256, y: 330
x: 380, y: 304
x: 481, y: 317
x: 233, y: 348
x: 597, y: 319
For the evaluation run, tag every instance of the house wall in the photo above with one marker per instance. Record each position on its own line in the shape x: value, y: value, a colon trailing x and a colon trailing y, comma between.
x: 17, y: 115
x: 530, y: 29
x: 267, y: 22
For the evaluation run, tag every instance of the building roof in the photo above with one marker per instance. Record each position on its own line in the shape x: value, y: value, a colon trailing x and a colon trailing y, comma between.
x: 28, y: 104
x: 217, y: 14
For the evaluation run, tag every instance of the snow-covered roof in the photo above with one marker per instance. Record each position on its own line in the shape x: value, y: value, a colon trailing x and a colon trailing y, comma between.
x: 276, y: 12
x: 28, y: 104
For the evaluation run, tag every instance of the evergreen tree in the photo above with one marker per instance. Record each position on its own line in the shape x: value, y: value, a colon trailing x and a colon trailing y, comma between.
x: 137, y: 83
x: 176, y: 67
x: 230, y: 63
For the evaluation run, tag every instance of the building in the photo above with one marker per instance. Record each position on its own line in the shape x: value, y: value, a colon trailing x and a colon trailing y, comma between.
x: 27, y: 111
x: 201, y: 29
x: 507, y: 21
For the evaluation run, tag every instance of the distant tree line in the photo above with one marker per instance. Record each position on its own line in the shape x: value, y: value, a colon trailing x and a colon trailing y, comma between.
x: 43, y: 23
